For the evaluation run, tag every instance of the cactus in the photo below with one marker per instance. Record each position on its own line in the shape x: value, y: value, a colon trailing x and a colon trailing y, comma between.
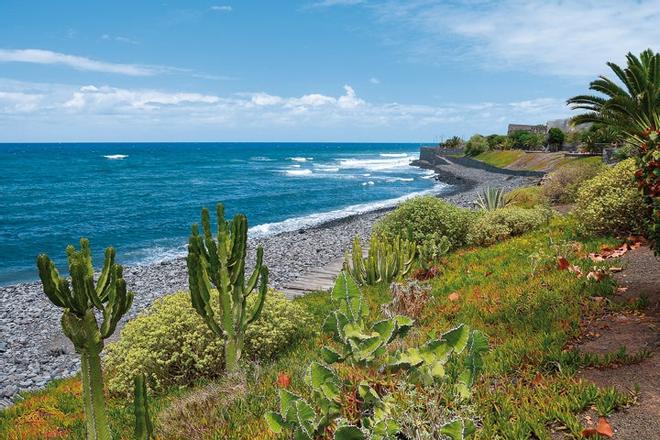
x: 221, y: 264
x: 385, y: 261
x: 79, y: 299
x: 431, y: 249
x: 143, y: 427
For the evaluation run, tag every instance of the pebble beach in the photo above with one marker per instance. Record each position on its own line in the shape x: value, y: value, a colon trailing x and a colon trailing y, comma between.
x: 33, y: 349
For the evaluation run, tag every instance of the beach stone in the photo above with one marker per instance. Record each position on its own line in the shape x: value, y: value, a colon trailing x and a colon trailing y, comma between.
x: 30, y: 328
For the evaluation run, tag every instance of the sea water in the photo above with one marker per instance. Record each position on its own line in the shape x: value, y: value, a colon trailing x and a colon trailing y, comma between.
x: 143, y: 198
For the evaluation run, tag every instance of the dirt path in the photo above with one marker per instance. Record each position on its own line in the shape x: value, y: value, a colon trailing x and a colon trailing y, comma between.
x: 637, y: 332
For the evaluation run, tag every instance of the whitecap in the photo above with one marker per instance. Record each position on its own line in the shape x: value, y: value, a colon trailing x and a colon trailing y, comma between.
x: 301, y: 159
x: 393, y: 155
x: 295, y: 223
x: 116, y: 156
x: 261, y: 159
x: 371, y: 182
x: 376, y: 164
x: 298, y: 172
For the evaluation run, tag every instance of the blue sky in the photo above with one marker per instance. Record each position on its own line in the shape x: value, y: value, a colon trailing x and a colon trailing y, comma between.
x: 318, y: 70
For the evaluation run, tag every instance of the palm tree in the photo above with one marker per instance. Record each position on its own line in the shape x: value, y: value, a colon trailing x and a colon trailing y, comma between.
x: 624, y: 108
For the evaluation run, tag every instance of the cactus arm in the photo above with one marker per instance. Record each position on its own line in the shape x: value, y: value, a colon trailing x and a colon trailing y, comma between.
x: 103, y: 282
x: 119, y: 301
x: 51, y: 282
x: 200, y: 292
x: 252, y: 282
x: 263, y: 290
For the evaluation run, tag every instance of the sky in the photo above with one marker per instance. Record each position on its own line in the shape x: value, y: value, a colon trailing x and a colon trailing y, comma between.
x: 310, y: 70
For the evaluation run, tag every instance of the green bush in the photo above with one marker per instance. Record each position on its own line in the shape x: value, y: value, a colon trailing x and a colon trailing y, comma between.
x: 526, y: 197
x: 611, y: 202
x: 475, y: 145
x: 425, y: 216
x: 561, y: 185
x: 493, y: 226
x: 172, y: 345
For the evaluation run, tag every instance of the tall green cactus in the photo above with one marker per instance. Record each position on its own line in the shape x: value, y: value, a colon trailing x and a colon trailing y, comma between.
x: 385, y: 260
x: 221, y: 264
x: 79, y: 299
x: 144, y: 430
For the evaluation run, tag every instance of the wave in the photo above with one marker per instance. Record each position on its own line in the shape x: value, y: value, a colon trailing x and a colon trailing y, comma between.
x: 261, y: 159
x: 371, y: 182
x: 116, y: 156
x: 327, y: 168
x: 298, y: 172
x: 296, y: 223
x: 430, y: 174
x: 393, y: 154
x: 399, y: 179
x: 376, y: 164
x: 301, y: 159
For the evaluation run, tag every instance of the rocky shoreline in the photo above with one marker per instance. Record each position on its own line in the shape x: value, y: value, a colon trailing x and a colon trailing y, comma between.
x: 33, y: 349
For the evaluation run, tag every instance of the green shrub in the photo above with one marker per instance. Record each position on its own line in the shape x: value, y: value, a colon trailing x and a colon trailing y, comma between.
x: 561, y: 185
x: 425, y: 216
x: 526, y: 197
x: 475, y: 145
x: 493, y: 226
x: 611, y: 202
x: 172, y: 344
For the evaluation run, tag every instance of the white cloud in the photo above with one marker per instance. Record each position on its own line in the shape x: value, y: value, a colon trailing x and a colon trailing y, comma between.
x: 374, y: 80
x: 222, y: 8
x: 38, y: 56
x: 119, y: 39
x: 543, y: 36
x: 147, y: 114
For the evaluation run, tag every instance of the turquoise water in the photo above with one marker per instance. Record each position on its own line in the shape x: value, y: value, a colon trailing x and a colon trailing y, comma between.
x: 142, y: 198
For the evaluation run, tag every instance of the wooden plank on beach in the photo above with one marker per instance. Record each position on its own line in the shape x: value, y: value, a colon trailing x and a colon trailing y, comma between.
x: 322, y: 278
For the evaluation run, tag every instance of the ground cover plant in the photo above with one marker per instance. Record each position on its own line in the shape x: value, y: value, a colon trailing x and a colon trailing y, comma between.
x: 513, y: 291
x: 500, y: 158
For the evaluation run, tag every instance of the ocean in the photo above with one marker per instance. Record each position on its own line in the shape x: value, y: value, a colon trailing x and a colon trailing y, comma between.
x: 142, y: 198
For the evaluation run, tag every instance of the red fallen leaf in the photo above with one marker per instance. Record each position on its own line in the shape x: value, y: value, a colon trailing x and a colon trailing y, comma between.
x: 283, y: 381
x: 453, y: 297
x: 563, y: 263
x: 537, y: 379
x: 603, y: 428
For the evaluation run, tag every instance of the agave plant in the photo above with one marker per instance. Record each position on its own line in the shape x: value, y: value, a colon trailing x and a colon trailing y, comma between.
x: 491, y: 199
x: 623, y: 106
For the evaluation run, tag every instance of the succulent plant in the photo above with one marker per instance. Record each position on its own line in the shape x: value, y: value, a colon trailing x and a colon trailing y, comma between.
x: 79, y: 299
x: 386, y: 260
x: 220, y: 264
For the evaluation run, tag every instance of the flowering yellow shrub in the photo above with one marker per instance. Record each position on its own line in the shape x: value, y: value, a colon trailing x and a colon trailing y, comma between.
x: 493, y: 226
x: 172, y: 344
x: 611, y: 202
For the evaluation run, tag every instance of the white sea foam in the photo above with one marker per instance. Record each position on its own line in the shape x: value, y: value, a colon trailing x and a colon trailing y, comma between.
x: 399, y: 179
x: 371, y: 182
x: 116, y: 156
x: 301, y: 159
x: 261, y: 159
x: 393, y: 155
x: 293, y: 224
x: 298, y: 172
x: 295, y: 165
x: 327, y: 168
x: 383, y: 164
x: 430, y: 174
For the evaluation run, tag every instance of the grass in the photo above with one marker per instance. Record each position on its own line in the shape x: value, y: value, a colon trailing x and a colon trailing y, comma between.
x: 513, y: 292
x: 500, y: 158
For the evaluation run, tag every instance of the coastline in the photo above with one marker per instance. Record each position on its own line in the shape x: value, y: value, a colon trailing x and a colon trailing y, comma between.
x: 34, y: 351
